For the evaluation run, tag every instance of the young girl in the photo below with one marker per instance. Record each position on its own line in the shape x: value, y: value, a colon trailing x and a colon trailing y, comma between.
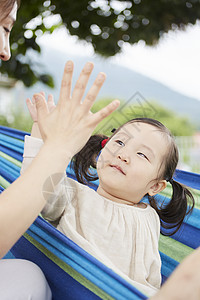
x: 113, y: 223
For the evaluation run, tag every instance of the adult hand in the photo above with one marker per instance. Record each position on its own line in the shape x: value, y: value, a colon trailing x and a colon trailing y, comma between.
x: 71, y: 123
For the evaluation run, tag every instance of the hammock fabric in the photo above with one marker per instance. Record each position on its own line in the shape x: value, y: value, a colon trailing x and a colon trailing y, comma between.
x: 72, y: 273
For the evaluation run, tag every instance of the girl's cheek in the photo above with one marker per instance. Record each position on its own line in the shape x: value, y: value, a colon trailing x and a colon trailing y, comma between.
x: 99, y: 160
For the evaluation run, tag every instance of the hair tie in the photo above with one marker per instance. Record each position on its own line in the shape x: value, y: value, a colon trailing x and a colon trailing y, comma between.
x: 104, y: 142
x: 171, y: 180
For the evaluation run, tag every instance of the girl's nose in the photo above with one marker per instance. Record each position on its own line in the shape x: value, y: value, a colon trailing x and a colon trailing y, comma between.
x: 5, y: 50
x: 123, y: 157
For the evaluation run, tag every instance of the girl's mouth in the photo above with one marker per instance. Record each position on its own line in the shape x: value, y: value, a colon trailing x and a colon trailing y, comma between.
x: 118, y: 168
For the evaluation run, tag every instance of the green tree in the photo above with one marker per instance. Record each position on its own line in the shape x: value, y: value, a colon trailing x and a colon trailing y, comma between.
x: 105, y: 24
x: 177, y: 124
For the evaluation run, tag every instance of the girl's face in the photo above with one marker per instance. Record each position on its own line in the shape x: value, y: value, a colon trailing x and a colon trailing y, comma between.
x: 130, y: 162
x: 5, y: 28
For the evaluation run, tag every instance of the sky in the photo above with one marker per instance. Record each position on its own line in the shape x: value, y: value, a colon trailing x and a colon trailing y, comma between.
x: 174, y: 61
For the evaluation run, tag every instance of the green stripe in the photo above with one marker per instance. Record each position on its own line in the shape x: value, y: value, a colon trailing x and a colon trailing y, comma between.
x: 11, y: 159
x: 173, y: 248
x: 4, y: 183
x: 196, y: 195
x: 69, y: 270
x: 167, y: 192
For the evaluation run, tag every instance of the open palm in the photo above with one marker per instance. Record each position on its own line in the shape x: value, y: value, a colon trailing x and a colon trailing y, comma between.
x: 71, y: 123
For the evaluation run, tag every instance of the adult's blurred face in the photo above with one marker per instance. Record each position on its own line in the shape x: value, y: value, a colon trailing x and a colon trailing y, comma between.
x: 6, y: 23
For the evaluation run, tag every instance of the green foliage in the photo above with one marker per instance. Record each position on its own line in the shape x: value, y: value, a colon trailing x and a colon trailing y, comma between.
x: 178, y: 125
x: 18, y: 120
x: 104, y: 24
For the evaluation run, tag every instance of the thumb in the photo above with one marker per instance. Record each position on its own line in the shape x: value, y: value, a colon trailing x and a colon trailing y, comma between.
x: 41, y: 106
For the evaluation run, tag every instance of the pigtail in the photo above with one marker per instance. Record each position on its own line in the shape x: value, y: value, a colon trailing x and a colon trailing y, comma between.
x: 173, y: 213
x: 86, y: 158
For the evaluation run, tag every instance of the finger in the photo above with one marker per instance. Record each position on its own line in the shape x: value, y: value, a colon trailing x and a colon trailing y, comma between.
x: 41, y: 93
x: 93, y: 92
x: 105, y: 112
x: 50, y: 103
x: 82, y: 81
x: 65, y: 91
x: 32, y: 109
x: 41, y: 106
x: 29, y: 103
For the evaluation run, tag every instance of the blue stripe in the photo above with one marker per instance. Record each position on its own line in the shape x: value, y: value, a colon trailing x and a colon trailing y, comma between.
x: 9, y: 177
x: 18, y: 134
x: 188, y: 178
x: 188, y: 235
x: 168, y: 265
x: 10, y: 164
x: 11, y: 153
x: 12, y: 141
x: 12, y: 147
x: 9, y: 170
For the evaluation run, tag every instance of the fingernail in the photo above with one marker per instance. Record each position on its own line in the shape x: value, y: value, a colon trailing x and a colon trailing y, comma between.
x: 101, y: 76
x: 116, y: 102
x: 69, y: 65
x: 88, y: 67
x: 37, y: 99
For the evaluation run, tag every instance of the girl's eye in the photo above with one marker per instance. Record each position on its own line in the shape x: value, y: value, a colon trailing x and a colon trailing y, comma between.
x: 143, y: 155
x: 119, y: 142
x: 6, y: 30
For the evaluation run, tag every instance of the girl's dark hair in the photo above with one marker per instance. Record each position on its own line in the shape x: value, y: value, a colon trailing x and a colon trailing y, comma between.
x: 171, y: 214
x: 6, y: 6
x: 86, y: 158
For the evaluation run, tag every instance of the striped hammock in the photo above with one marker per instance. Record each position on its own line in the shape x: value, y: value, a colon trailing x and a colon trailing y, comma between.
x: 72, y: 273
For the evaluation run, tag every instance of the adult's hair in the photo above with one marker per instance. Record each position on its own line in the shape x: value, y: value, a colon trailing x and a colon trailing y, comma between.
x: 172, y: 213
x: 6, y: 6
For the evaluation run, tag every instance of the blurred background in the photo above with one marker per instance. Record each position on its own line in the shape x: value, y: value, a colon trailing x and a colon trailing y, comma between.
x: 148, y: 49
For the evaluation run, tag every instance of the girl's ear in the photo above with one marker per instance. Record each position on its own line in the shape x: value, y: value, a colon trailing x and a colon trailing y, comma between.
x: 157, y: 187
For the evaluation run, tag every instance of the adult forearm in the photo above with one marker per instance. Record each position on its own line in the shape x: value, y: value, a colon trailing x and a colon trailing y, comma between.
x: 184, y: 282
x: 21, y: 203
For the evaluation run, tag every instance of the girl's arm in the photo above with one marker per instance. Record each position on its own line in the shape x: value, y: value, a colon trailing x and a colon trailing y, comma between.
x: 57, y: 198
x: 65, y: 130
x: 32, y: 147
x: 55, y: 189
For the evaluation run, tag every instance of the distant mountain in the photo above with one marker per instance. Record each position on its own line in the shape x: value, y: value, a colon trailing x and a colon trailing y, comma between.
x: 121, y: 83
